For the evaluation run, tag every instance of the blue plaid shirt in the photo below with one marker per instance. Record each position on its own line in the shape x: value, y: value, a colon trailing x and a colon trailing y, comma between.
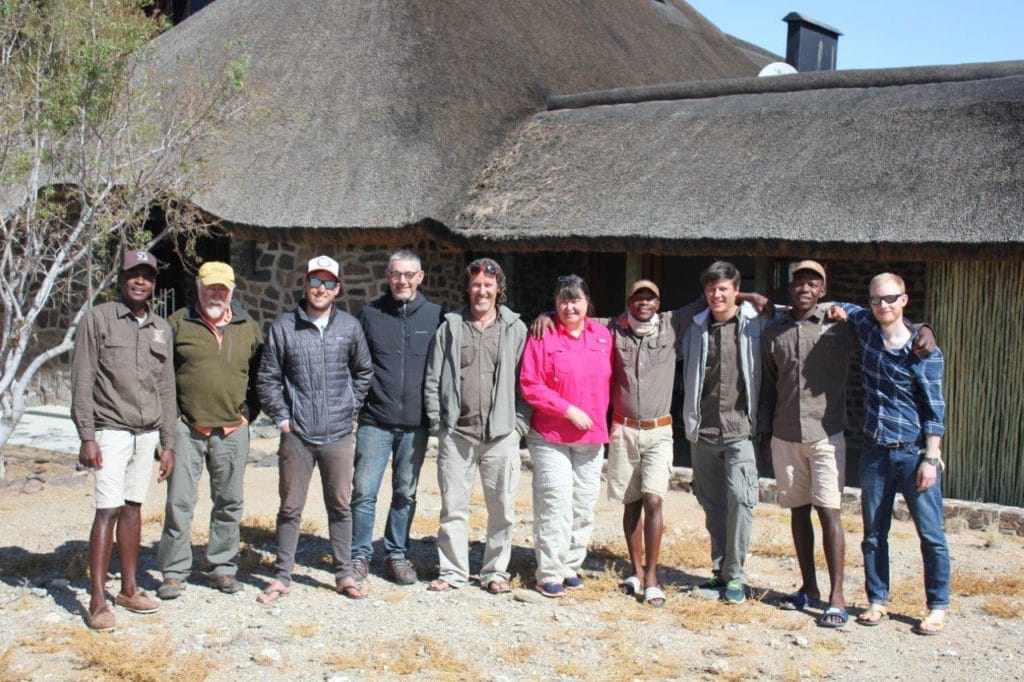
x: 902, y: 392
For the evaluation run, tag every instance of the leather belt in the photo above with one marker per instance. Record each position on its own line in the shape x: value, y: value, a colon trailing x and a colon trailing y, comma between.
x: 643, y: 423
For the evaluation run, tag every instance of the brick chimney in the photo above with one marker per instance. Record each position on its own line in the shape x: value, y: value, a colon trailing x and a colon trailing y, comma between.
x: 810, y: 44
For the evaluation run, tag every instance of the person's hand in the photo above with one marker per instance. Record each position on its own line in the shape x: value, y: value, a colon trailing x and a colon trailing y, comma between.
x: 89, y: 455
x: 580, y: 419
x: 760, y: 302
x: 539, y: 326
x: 924, y: 342
x: 836, y: 314
x: 166, y: 458
x: 926, y: 476
x: 623, y: 321
x: 286, y: 427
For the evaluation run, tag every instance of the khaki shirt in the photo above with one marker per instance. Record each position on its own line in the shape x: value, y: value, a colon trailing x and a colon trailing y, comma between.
x: 478, y: 357
x: 723, y: 402
x: 122, y: 374
x: 803, y: 394
x: 644, y: 368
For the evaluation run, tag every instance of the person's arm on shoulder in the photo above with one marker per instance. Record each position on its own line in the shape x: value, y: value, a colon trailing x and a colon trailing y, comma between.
x: 543, y: 323
x: 924, y: 339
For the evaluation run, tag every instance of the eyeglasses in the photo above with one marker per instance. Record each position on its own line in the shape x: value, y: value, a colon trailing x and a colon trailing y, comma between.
x: 487, y: 269
x: 407, y: 276
x: 316, y: 283
x: 888, y: 298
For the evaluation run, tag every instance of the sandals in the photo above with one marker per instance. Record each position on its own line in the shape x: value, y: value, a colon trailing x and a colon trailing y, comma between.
x: 654, y: 597
x: 929, y: 626
x: 797, y: 601
x: 351, y: 590
x: 631, y: 586
x: 874, y: 615
x: 498, y: 587
x: 439, y: 585
x: 833, y: 617
x: 274, y: 591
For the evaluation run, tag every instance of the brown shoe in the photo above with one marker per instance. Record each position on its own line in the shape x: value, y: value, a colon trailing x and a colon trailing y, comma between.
x: 227, y: 584
x: 101, y: 621
x: 360, y: 568
x: 400, y: 570
x: 137, y: 603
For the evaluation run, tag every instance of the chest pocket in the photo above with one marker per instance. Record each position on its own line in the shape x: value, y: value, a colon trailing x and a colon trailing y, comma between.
x: 468, y: 350
x: 419, y: 342
x: 115, y: 351
x: 158, y: 354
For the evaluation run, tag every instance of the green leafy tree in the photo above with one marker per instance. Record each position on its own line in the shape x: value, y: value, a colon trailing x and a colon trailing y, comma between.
x: 90, y: 144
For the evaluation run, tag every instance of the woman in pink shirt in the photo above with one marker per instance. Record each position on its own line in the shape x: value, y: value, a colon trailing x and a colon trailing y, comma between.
x: 566, y: 377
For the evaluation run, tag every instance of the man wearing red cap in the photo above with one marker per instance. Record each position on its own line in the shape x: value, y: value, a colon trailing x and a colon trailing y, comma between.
x: 215, y: 347
x: 122, y: 404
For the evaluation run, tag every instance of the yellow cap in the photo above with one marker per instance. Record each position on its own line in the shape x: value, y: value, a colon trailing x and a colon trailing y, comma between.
x: 214, y: 272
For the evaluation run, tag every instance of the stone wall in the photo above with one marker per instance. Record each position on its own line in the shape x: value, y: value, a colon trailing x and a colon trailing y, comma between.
x: 270, y: 273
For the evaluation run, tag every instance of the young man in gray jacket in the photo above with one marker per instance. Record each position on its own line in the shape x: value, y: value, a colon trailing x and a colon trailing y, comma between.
x: 473, y: 405
x: 722, y: 368
x: 312, y: 381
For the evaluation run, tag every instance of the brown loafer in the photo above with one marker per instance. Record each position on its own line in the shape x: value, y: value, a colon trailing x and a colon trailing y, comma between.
x: 228, y: 584
x: 101, y: 621
x: 139, y: 602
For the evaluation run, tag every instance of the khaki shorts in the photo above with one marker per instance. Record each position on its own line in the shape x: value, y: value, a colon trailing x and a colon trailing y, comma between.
x: 810, y: 473
x: 127, y: 466
x: 639, y: 462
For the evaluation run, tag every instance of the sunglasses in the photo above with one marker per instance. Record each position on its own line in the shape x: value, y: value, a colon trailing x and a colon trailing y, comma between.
x: 396, y: 275
x: 316, y: 282
x: 888, y: 298
x: 487, y: 269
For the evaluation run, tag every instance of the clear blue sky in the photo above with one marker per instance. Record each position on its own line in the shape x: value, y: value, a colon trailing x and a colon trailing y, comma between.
x: 878, y: 34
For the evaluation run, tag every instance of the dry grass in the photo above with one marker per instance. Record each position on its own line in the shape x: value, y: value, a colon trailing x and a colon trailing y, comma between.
x: 520, y: 653
x: 424, y: 655
x: 688, y: 550
x: 304, y: 629
x: 970, y: 583
x: 100, y: 656
x: 1001, y: 607
x: 832, y: 645
x: 695, y: 613
x: 153, y: 516
x: 8, y: 672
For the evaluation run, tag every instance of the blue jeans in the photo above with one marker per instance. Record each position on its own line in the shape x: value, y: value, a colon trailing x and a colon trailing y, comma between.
x: 883, y: 473
x: 374, y: 447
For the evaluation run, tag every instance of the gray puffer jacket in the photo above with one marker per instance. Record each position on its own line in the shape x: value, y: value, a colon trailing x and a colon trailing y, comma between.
x: 315, y: 382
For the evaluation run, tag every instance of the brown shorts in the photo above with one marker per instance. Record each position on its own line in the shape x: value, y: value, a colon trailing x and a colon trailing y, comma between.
x: 639, y: 461
x: 810, y: 473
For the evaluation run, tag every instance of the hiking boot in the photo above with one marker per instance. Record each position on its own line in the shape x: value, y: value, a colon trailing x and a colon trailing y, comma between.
x: 171, y: 588
x: 400, y: 570
x: 735, y: 592
x: 140, y: 602
x: 101, y: 621
x: 227, y: 584
x: 360, y: 568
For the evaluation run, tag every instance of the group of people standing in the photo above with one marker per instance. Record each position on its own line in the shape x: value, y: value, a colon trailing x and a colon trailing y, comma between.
x: 352, y: 395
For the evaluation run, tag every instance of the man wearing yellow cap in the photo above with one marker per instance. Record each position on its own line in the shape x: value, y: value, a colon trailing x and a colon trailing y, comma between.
x: 216, y: 346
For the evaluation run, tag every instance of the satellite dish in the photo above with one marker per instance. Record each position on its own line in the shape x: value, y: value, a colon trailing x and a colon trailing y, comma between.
x: 777, y: 69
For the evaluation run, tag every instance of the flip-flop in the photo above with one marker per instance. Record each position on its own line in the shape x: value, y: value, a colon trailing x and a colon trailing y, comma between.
x: 874, y: 615
x: 274, y: 591
x: 631, y: 586
x: 929, y: 628
x: 797, y: 601
x: 439, y: 586
x: 498, y: 587
x: 825, y: 619
x: 654, y: 597
x: 350, y: 591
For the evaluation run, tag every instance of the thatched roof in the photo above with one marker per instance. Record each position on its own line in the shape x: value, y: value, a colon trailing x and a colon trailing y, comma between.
x: 931, y: 156
x: 377, y: 113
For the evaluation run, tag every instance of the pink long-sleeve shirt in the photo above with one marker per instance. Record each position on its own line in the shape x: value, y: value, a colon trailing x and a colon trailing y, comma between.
x: 558, y: 371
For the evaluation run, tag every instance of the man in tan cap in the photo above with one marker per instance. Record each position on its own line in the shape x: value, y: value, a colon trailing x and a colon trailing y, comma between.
x: 216, y: 348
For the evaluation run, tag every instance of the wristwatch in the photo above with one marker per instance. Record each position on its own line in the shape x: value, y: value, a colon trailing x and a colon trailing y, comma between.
x: 934, y: 461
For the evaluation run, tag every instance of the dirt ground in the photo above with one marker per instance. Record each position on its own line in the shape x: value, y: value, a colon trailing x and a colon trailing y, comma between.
x: 596, y: 633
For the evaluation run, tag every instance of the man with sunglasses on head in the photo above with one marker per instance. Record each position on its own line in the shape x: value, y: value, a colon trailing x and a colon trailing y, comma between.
x: 473, y: 404
x: 392, y: 425
x: 904, y: 415
x: 312, y: 381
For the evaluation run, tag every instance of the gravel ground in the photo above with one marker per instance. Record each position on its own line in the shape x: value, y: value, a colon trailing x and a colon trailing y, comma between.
x: 594, y: 633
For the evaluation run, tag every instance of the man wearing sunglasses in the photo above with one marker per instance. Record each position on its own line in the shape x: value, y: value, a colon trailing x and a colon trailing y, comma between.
x: 392, y: 426
x: 312, y: 381
x: 904, y: 416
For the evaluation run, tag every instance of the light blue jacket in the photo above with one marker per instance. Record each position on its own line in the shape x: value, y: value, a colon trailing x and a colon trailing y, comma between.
x: 694, y: 349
